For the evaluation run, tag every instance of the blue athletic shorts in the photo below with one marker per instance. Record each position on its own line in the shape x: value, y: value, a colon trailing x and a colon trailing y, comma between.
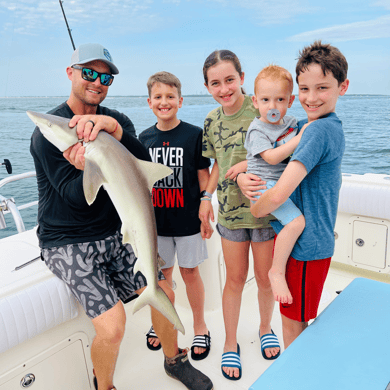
x: 191, y: 250
x: 287, y: 212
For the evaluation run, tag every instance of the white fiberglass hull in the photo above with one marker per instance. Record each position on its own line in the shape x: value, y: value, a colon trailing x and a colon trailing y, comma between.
x: 51, y: 338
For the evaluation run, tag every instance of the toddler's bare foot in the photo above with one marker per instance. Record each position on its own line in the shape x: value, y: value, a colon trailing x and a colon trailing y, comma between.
x: 279, y: 287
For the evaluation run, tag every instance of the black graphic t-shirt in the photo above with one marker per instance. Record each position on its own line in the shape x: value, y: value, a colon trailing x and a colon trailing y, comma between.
x: 176, y: 197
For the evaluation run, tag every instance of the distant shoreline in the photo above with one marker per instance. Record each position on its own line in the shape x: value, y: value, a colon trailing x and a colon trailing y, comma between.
x: 146, y: 96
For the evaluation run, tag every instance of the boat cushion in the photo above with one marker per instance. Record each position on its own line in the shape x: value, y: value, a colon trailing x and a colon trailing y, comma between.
x: 367, y: 195
x: 34, y: 310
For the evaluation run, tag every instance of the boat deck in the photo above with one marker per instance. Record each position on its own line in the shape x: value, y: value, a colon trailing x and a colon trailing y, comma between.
x: 138, y: 367
x: 144, y: 368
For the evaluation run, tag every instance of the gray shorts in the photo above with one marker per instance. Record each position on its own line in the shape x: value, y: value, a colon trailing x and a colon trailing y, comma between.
x: 191, y: 250
x: 98, y: 273
x: 241, y: 235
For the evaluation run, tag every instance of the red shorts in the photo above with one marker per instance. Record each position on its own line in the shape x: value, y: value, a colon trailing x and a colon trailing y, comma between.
x: 305, y: 279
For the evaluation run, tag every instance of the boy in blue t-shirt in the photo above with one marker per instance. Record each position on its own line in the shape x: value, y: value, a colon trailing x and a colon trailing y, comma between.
x: 176, y: 199
x: 313, y: 179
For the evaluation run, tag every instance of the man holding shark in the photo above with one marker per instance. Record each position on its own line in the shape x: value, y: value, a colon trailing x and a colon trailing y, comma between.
x: 81, y: 243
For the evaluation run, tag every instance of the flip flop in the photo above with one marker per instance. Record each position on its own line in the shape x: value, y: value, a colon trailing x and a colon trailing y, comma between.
x: 95, y: 382
x: 201, y: 341
x: 269, y: 340
x: 231, y: 359
x: 152, y: 335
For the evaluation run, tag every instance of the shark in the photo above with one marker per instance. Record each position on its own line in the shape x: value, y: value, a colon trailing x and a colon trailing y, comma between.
x: 128, y: 182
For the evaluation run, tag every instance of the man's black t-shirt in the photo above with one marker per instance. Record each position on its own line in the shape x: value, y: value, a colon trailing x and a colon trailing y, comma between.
x: 64, y: 217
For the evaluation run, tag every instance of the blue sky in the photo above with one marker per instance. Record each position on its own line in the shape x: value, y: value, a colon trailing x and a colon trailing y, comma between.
x: 147, y: 36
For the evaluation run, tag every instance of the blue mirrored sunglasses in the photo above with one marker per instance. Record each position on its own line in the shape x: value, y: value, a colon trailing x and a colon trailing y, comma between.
x: 91, y: 75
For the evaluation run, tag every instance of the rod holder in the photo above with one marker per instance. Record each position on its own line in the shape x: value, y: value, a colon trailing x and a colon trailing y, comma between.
x: 8, y: 165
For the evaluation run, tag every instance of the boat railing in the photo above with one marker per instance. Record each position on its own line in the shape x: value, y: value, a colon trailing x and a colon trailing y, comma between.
x: 7, y: 205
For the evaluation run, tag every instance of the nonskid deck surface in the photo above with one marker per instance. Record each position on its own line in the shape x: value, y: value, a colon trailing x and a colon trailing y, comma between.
x: 138, y: 368
x: 144, y: 368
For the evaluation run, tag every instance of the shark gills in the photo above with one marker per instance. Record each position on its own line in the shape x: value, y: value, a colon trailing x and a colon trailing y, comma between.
x: 128, y: 181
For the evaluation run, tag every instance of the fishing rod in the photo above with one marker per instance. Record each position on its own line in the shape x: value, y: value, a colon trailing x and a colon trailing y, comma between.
x: 67, y: 25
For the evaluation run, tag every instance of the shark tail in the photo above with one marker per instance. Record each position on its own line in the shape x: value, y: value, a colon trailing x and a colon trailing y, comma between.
x: 159, y: 300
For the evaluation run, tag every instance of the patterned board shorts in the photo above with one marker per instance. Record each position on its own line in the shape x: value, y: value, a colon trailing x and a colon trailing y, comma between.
x: 99, y: 273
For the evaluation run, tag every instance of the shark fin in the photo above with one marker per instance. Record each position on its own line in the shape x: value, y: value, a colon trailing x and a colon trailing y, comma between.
x: 129, y: 238
x: 138, y: 266
x: 92, y: 181
x: 159, y: 300
x: 153, y: 172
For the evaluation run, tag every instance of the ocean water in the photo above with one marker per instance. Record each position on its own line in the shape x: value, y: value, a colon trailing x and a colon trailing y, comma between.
x: 366, y: 123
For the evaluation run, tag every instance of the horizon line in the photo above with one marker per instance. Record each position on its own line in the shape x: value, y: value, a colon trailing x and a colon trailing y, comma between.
x: 146, y: 96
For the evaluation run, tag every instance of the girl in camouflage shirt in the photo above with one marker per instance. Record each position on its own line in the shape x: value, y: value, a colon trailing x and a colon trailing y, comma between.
x: 223, y: 140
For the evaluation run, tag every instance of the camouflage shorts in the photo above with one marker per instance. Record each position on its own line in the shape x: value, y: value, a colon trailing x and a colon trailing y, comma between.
x: 99, y: 273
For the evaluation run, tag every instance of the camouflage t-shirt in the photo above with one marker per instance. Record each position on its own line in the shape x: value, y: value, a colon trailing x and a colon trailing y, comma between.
x: 223, y: 140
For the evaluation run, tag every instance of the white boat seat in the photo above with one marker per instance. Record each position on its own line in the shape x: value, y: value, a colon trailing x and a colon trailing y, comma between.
x: 27, y: 313
x: 367, y: 195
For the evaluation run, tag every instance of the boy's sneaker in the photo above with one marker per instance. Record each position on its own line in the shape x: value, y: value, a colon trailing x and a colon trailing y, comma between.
x: 180, y: 368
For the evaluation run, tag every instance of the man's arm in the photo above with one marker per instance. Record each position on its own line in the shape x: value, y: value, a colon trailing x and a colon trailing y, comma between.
x: 88, y: 126
x: 54, y: 171
x: 87, y: 131
x: 292, y: 176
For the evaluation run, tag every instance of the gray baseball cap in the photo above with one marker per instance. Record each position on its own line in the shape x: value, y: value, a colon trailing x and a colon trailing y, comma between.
x: 93, y: 52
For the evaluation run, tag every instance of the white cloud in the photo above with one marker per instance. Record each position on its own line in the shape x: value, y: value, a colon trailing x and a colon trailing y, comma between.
x: 371, y: 29
x: 277, y: 12
x: 34, y: 16
x: 382, y: 3
x: 268, y: 12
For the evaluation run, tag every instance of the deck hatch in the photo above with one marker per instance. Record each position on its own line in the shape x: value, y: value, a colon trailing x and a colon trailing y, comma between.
x: 61, y: 367
x: 369, y: 244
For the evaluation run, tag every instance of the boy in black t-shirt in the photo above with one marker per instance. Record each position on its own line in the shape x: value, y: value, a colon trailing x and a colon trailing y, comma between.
x: 177, y: 198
